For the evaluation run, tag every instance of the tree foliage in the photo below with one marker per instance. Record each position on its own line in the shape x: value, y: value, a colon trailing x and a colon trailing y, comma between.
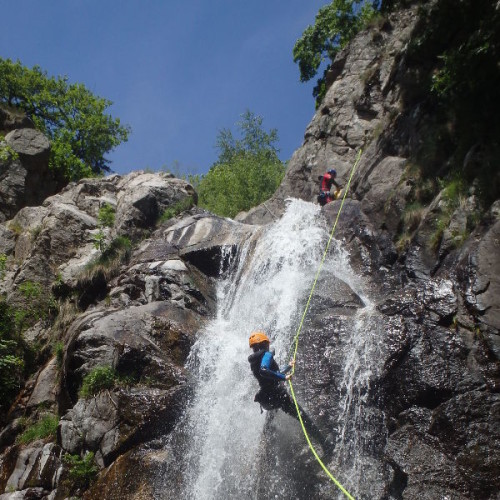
x: 335, y: 25
x: 82, y: 471
x: 454, y: 59
x: 254, y: 140
x: 74, y: 119
x: 247, y: 172
x: 11, y: 358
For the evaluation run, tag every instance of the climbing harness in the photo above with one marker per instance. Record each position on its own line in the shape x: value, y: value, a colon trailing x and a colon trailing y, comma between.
x: 296, y: 338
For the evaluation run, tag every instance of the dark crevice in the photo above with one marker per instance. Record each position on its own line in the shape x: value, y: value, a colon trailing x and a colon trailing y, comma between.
x: 398, y: 484
x: 366, y: 114
x: 446, y: 321
x: 213, y: 261
x: 431, y: 398
x: 96, y: 289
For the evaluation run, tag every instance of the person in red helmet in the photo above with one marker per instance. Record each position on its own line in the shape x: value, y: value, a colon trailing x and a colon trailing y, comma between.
x: 272, y: 394
x: 327, y: 180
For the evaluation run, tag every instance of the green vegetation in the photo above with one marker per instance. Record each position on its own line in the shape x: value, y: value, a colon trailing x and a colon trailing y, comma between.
x: 17, y: 358
x: 58, y: 351
x: 82, y: 471
x: 3, y: 264
x: 247, y: 172
x: 11, y: 366
x: 74, y: 119
x: 412, y: 216
x: 44, y: 428
x: 335, y: 25
x: 6, y: 152
x: 105, y: 218
x: 100, y: 378
x: 92, y: 281
x: 177, y: 208
x: 116, y: 253
x: 37, y: 305
x: 453, y: 196
x: 454, y: 75
x: 15, y: 227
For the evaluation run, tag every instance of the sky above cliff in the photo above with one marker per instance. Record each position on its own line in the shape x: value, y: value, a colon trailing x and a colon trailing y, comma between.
x: 177, y: 71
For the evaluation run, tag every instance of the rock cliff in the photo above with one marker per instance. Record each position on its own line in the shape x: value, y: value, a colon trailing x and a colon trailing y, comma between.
x: 109, y: 311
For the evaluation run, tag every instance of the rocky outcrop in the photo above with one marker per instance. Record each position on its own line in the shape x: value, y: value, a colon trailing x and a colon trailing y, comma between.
x: 58, y: 239
x: 25, y: 178
x: 433, y: 391
x: 360, y: 105
x: 137, y: 320
x: 36, y: 472
x: 207, y: 241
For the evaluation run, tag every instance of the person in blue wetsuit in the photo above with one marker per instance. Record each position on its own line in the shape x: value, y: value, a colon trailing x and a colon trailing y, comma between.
x: 272, y: 394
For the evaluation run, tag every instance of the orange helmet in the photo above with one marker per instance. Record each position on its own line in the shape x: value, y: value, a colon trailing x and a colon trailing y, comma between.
x: 257, y: 338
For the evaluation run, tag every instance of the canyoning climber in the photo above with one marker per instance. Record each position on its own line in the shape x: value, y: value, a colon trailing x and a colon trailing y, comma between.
x: 272, y: 394
x: 327, y: 180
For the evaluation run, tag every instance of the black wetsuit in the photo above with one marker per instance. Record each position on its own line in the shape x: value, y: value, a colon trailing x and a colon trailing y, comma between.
x: 273, y: 395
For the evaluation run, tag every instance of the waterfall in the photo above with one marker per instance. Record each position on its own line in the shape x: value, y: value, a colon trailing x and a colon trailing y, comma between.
x: 222, y: 431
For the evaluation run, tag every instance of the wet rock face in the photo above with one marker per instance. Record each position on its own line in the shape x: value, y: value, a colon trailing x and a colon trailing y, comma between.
x: 483, y: 280
x: 129, y: 476
x: 430, y: 399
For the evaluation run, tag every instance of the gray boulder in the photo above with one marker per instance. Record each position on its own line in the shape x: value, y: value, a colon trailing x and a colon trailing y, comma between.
x: 25, y: 180
x: 205, y: 240
x: 112, y: 422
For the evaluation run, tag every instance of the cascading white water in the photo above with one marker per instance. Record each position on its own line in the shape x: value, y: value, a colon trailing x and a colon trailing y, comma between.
x: 222, y: 426
x: 225, y: 425
x: 359, y: 425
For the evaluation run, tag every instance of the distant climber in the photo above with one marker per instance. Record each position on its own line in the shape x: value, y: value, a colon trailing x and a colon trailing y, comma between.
x: 272, y: 394
x: 327, y: 180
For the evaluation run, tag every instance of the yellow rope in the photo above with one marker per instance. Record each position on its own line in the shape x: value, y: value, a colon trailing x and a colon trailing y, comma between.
x: 296, y: 338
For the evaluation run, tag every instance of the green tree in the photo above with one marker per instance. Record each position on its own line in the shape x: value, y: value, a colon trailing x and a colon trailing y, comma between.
x: 247, y: 172
x: 336, y: 24
x: 254, y: 141
x: 73, y: 118
x: 454, y: 59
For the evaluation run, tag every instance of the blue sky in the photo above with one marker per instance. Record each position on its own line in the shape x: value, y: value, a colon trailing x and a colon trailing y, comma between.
x: 177, y: 71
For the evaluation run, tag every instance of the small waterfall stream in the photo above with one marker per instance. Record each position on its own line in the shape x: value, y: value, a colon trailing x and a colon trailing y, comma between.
x: 221, y: 434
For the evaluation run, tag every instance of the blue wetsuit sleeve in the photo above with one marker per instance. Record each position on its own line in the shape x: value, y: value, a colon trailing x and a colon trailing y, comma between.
x: 265, y: 368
